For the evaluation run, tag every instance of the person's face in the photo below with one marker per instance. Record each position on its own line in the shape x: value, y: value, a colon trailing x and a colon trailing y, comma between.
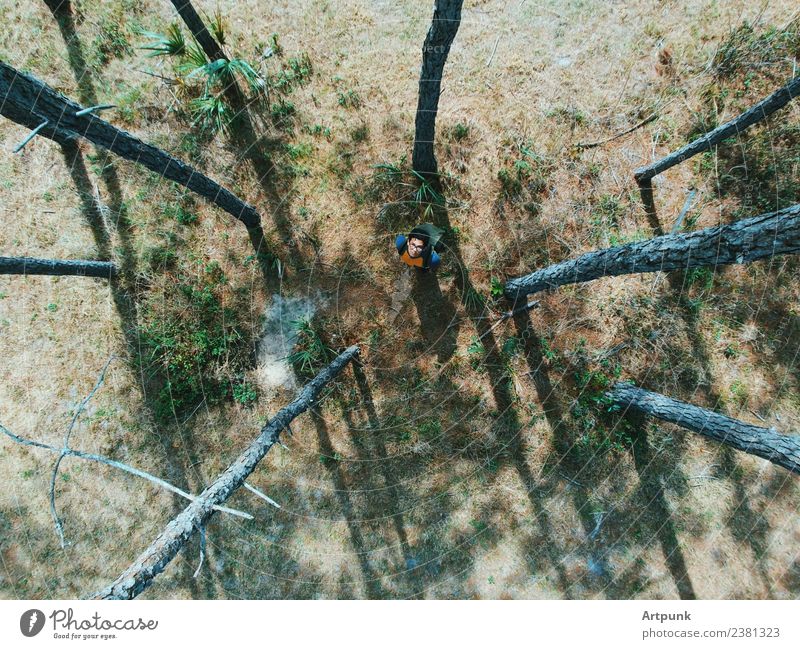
x: 415, y: 247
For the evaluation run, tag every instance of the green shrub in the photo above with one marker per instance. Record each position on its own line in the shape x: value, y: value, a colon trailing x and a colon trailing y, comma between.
x: 189, y: 336
x: 311, y: 353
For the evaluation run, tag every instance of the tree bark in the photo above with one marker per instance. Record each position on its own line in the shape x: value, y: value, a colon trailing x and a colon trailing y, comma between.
x: 59, y: 7
x: 201, y: 34
x: 446, y: 20
x: 212, y: 49
x: 783, y: 450
x: 35, y: 266
x: 775, y: 233
x: 29, y: 102
x: 760, y: 111
x: 155, y: 558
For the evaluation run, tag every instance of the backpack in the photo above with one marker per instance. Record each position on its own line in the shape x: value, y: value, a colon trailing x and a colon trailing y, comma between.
x: 430, y: 235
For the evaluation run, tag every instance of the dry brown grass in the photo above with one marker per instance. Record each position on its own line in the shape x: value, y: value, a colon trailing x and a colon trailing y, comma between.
x: 468, y: 508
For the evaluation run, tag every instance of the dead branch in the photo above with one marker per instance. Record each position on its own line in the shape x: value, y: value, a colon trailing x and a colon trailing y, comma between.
x: 591, y: 145
x: 140, y: 574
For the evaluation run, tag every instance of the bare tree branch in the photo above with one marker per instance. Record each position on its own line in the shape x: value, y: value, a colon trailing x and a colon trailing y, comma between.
x: 38, y: 266
x: 261, y: 494
x: 760, y: 111
x: 65, y: 450
x: 202, y: 551
x: 122, y: 467
x: 783, y: 450
x: 758, y: 237
x: 140, y: 574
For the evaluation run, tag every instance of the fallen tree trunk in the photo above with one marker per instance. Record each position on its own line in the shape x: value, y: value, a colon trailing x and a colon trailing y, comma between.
x: 783, y: 450
x: 760, y: 111
x: 155, y: 558
x: 31, y: 103
x: 35, y: 266
x: 775, y: 233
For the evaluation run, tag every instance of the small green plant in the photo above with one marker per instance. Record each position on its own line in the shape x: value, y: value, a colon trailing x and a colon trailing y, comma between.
x: 460, y: 131
x: 318, y: 129
x: 605, y: 219
x: 210, y: 112
x: 310, y: 352
x: 298, y: 151
x: 430, y: 429
x: 205, y: 84
x: 179, y: 213
x: 223, y: 72
x: 524, y: 170
x: 702, y: 277
x: 425, y: 193
x: 740, y: 393
x: 172, y: 43
x: 476, y: 352
x: 745, y: 47
x: 282, y: 111
x: 245, y: 393
x: 295, y: 73
x: 190, y: 336
x: 599, y: 431
x: 112, y: 41
x: 731, y: 351
x: 217, y: 25
x: 360, y: 133
x: 348, y: 99
x: 497, y: 288
x: 472, y: 300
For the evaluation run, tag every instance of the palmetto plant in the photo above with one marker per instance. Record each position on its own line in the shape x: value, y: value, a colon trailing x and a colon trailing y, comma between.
x: 211, y: 110
x: 224, y: 72
x: 217, y: 26
x: 310, y: 352
x: 170, y: 44
x: 415, y: 187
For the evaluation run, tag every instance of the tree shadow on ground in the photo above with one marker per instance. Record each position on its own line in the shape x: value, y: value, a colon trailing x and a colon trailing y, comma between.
x: 437, y: 315
x: 574, y: 469
x: 746, y: 525
x: 377, y: 454
x: 653, y: 474
x: 510, y: 447
x: 180, y: 470
x: 372, y: 580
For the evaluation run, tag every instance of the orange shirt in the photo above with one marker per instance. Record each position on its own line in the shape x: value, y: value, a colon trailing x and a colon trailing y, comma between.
x: 412, y: 261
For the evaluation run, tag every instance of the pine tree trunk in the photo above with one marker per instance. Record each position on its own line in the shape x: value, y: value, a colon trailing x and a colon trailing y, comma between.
x: 29, y: 102
x: 59, y: 7
x: 213, y: 50
x: 446, y: 20
x: 775, y: 233
x: 783, y: 450
x: 195, y: 24
x: 155, y: 558
x: 35, y: 266
x: 760, y: 111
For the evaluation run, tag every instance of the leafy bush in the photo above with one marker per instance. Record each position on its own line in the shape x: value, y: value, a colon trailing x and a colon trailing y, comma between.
x: 192, y: 340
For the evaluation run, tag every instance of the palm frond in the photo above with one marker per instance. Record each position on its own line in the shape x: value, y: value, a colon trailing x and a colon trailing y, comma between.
x: 210, y: 112
x: 217, y: 26
x: 172, y: 43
